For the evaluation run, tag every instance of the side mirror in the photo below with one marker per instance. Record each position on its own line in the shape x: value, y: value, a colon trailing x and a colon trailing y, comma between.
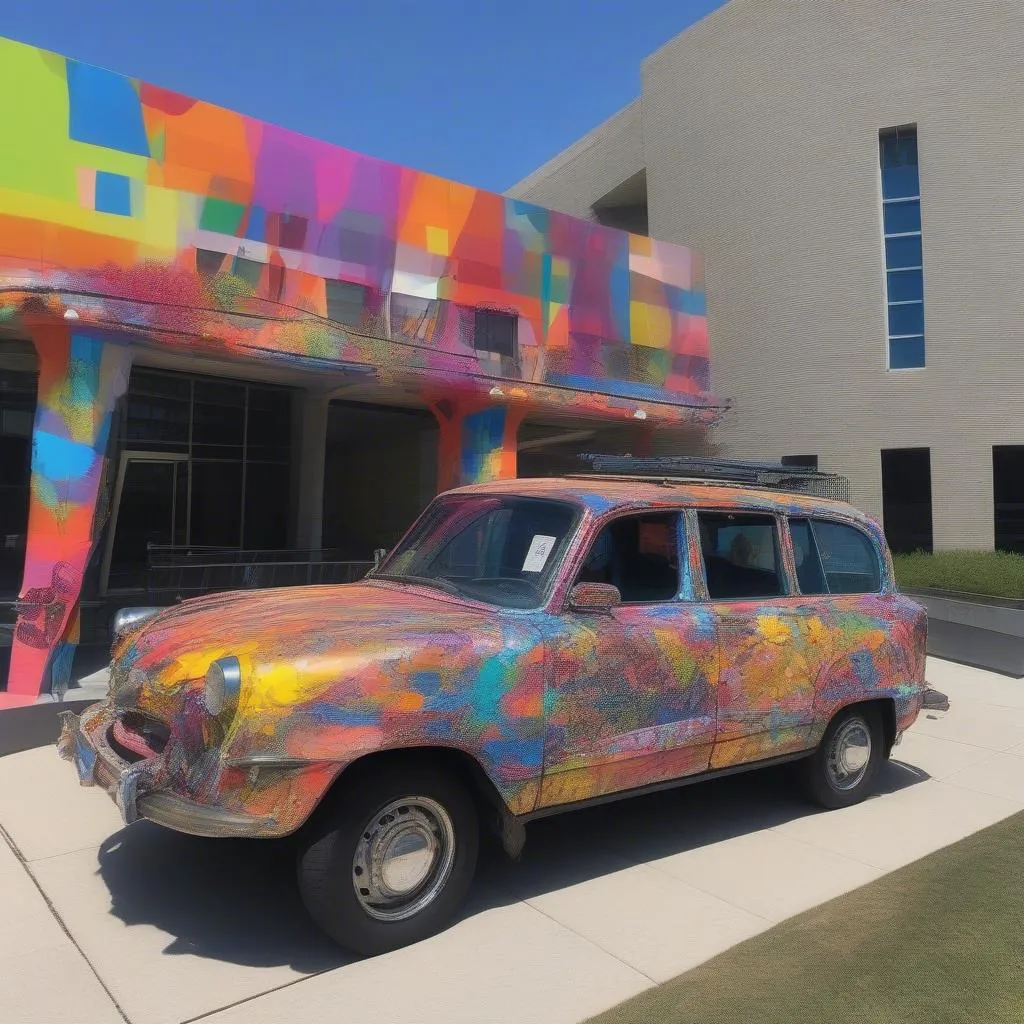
x: 594, y: 597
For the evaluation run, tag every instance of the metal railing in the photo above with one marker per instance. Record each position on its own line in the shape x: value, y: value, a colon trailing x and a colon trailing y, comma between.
x: 176, y: 573
x: 756, y: 474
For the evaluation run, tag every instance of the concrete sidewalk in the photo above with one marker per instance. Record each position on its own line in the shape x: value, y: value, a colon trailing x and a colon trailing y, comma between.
x: 105, y: 924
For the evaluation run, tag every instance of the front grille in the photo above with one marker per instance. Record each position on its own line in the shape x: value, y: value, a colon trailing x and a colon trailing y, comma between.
x: 148, y: 733
x: 106, y: 775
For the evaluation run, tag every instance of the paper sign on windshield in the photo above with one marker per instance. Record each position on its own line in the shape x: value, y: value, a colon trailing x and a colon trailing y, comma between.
x: 540, y: 548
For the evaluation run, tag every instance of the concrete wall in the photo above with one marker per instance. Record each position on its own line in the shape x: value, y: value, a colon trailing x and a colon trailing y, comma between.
x: 591, y: 168
x: 760, y: 128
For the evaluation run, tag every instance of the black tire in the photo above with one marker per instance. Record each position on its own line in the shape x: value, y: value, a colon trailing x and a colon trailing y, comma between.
x: 328, y: 846
x: 820, y: 781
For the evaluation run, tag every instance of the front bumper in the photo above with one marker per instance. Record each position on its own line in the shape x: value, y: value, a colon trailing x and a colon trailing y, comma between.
x: 135, y: 786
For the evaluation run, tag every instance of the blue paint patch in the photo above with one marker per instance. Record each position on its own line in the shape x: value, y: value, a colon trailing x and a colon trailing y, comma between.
x: 684, y: 301
x: 350, y: 716
x: 513, y: 752
x: 489, y: 688
x: 113, y: 194
x: 256, y: 227
x: 622, y: 389
x: 439, y: 729
x: 427, y: 683
x: 482, y: 433
x: 864, y: 666
x: 57, y: 458
x: 597, y: 503
x: 105, y: 110
x: 446, y: 700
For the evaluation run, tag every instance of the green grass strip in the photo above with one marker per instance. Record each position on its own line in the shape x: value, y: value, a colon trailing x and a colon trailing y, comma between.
x: 940, y: 941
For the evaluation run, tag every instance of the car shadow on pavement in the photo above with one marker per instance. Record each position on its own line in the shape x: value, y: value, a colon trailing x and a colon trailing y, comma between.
x: 573, y: 848
x: 237, y: 900
x: 233, y: 900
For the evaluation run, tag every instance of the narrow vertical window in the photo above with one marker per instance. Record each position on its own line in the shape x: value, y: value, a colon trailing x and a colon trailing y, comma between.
x: 904, y: 263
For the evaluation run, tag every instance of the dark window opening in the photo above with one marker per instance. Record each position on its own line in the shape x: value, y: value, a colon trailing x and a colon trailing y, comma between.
x: 1008, y: 495
x: 800, y: 461
x: 17, y: 414
x: 346, y: 302
x: 639, y: 555
x: 741, y: 556
x: 495, y: 333
x: 207, y: 462
x: 907, y: 499
x: 250, y: 271
x: 208, y: 263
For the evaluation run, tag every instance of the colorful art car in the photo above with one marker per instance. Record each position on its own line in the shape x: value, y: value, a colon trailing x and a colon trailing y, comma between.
x: 530, y: 647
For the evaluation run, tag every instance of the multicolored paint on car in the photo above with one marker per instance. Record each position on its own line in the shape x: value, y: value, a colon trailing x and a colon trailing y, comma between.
x: 556, y: 703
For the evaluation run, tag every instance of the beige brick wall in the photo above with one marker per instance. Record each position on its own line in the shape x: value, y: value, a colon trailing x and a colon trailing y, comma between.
x: 760, y: 131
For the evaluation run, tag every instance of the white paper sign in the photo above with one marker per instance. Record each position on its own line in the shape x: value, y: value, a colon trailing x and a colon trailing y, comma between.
x: 540, y: 548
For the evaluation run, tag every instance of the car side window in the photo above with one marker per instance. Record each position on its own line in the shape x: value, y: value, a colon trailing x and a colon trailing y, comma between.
x: 741, y: 555
x: 639, y: 555
x: 848, y: 558
x: 809, y: 573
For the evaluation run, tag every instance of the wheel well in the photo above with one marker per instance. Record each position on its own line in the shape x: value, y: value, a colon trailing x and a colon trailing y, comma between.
x: 886, y: 706
x: 462, y: 765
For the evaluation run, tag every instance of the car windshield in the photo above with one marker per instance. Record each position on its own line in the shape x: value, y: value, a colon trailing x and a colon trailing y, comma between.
x: 503, y: 550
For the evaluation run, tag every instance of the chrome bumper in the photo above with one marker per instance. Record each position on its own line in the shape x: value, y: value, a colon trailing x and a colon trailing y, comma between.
x: 132, y: 785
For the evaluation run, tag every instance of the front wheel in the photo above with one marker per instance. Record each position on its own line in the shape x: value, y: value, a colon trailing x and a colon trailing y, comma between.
x: 391, y: 859
x: 842, y: 771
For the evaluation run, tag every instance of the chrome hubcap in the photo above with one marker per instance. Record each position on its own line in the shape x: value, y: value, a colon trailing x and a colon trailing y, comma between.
x: 404, y: 858
x: 850, y: 754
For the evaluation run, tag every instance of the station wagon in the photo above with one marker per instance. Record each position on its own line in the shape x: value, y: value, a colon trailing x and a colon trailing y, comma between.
x: 529, y: 648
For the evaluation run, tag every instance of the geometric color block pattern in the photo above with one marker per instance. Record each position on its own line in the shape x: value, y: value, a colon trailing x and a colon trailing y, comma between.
x: 125, y: 190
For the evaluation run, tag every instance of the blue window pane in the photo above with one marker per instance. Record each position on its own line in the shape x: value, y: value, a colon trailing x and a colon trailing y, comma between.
x: 904, y: 285
x: 899, y: 182
x: 902, y: 217
x: 906, y: 353
x: 903, y: 252
x: 907, y: 319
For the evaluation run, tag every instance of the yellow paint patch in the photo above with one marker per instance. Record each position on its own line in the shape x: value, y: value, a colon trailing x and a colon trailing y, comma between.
x: 437, y: 241
x: 773, y: 629
x: 649, y: 325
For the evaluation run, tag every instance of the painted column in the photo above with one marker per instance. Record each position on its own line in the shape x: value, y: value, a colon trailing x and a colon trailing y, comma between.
x: 312, y: 418
x: 81, y: 378
x: 477, y: 444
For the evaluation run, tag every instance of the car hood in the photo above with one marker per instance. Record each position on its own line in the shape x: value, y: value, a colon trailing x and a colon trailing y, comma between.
x: 339, y: 644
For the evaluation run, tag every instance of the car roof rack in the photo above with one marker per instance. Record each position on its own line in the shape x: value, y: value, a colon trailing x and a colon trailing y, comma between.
x: 693, y: 469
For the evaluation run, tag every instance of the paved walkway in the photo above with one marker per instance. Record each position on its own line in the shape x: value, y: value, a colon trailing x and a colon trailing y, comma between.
x: 103, y: 925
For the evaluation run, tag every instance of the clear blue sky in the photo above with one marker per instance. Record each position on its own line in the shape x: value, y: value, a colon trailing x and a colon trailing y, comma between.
x: 483, y: 91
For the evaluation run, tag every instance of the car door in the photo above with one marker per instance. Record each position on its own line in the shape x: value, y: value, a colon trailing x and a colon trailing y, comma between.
x: 766, y: 685
x: 631, y: 696
x: 853, y: 625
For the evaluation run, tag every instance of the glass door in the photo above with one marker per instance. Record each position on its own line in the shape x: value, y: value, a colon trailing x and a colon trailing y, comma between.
x: 150, y: 507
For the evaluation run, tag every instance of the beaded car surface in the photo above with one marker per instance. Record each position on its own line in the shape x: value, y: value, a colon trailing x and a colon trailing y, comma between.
x: 529, y: 647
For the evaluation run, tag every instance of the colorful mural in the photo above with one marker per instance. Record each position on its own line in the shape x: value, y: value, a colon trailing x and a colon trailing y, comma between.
x: 196, y: 226
x: 139, y: 218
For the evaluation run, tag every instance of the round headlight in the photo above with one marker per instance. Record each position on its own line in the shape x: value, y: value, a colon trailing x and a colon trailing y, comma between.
x: 223, y: 680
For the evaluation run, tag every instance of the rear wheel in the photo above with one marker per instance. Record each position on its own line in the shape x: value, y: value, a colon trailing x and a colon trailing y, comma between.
x: 844, y: 768
x: 390, y: 860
